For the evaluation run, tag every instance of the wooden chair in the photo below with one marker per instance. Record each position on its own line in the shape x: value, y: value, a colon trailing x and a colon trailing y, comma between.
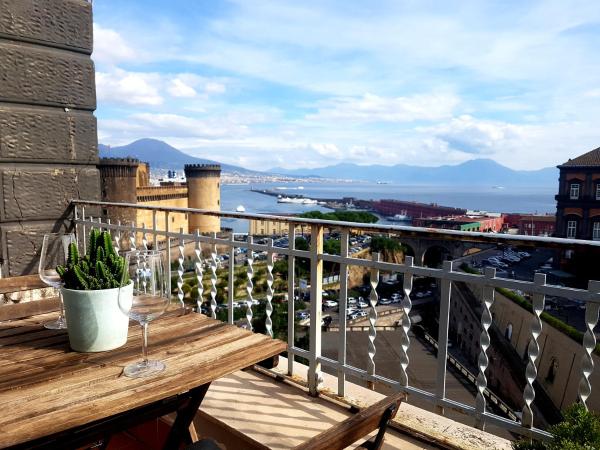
x: 25, y: 309
x: 345, y: 433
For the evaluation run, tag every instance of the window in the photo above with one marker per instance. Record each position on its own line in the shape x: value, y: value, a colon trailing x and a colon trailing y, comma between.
x: 598, y: 191
x: 508, y: 331
x: 552, y: 371
x: 596, y: 231
x: 574, y: 193
x: 572, y: 229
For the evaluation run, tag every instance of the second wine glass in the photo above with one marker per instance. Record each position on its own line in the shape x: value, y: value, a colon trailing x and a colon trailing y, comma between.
x: 146, y: 270
x: 55, y: 249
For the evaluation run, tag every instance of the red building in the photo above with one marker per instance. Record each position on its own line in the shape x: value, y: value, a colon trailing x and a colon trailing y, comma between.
x: 532, y: 224
x: 486, y: 224
x: 412, y: 209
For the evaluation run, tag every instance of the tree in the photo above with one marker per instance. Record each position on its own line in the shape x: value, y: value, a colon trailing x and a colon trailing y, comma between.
x: 580, y: 430
x: 344, y: 216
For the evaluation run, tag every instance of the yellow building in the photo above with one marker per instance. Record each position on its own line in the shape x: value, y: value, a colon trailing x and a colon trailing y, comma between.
x: 273, y: 228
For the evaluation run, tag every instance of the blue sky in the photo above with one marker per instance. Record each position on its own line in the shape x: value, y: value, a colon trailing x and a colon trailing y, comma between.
x: 313, y: 83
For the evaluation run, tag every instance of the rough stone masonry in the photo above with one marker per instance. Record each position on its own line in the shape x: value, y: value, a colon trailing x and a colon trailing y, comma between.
x: 48, y: 137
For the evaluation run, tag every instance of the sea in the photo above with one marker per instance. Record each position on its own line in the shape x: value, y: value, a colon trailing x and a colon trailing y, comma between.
x: 518, y: 199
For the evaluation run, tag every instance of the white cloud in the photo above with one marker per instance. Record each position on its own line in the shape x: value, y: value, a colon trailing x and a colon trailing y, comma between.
x: 133, y: 88
x: 110, y: 47
x: 178, y: 88
x: 470, y: 135
x: 374, y: 108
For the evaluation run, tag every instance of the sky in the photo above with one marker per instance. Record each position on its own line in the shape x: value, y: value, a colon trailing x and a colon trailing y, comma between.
x: 292, y: 84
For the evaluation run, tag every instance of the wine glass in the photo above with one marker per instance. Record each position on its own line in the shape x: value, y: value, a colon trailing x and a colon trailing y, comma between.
x: 146, y: 270
x: 55, y: 250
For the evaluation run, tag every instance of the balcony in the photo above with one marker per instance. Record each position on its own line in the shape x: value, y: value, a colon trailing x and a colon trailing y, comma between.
x: 357, y: 360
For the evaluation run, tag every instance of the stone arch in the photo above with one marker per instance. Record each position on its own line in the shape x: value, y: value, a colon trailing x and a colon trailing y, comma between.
x: 435, y: 255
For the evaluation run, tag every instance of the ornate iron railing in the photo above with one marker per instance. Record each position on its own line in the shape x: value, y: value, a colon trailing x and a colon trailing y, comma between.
x: 174, y: 241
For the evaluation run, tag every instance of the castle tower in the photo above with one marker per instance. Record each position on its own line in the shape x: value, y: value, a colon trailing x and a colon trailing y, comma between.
x: 118, y: 177
x: 204, y: 192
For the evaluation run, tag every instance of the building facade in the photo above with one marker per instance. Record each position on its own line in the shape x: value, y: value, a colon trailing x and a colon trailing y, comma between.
x: 531, y: 224
x: 578, y: 199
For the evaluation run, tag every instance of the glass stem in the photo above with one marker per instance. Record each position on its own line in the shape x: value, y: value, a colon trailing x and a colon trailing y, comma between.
x: 145, y: 342
x: 62, y: 306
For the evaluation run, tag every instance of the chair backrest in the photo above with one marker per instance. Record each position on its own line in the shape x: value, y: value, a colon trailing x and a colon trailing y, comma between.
x: 25, y: 309
x: 358, y: 426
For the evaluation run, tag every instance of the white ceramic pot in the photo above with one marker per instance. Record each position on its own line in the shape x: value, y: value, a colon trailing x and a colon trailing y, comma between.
x: 95, y: 322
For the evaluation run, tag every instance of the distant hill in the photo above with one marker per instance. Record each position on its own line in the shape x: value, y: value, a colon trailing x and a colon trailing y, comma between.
x: 476, y: 172
x: 161, y: 155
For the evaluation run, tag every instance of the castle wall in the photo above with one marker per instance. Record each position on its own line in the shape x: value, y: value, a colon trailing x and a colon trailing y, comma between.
x: 48, y: 138
x: 168, y: 197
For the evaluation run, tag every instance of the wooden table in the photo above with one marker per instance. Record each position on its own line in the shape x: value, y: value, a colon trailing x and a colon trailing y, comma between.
x: 52, y: 397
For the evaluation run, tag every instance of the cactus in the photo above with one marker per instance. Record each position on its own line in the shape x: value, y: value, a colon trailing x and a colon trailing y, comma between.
x: 100, y: 268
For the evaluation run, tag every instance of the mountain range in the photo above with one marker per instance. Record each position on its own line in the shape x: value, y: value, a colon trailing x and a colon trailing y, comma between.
x: 481, y: 172
x: 476, y: 172
x: 161, y: 155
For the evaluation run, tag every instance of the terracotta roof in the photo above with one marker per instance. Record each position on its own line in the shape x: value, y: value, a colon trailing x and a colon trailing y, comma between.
x: 589, y: 159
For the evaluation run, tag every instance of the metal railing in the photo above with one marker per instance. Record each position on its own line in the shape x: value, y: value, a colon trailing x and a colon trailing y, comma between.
x: 175, y: 241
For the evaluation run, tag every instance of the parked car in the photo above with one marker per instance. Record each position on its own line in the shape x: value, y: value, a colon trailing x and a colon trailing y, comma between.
x: 385, y: 301
x: 351, y: 301
x: 330, y: 303
x: 302, y: 315
x: 362, y: 304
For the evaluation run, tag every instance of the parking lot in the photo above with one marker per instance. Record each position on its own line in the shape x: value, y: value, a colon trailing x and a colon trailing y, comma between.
x: 358, y: 307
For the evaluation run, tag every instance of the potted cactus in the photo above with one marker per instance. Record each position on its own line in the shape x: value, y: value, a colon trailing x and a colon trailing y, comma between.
x: 92, y: 282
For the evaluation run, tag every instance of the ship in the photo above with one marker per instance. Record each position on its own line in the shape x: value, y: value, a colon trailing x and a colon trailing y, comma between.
x: 403, y: 217
x: 297, y: 200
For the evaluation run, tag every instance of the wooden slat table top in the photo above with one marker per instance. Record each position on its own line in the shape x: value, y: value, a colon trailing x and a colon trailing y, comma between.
x: 46, y: 388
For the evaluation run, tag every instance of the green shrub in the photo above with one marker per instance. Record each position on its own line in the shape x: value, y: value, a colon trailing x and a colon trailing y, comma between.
x: 580, y: 430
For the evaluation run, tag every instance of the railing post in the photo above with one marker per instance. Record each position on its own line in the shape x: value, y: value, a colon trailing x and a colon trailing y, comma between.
x: 155, y: 236
x: 291, y: 295
x: 230, y: 281
x: 442, y: 354
x: 199, y: 271
x: 533, y: 351
x: 213, y: 278
x: 144, y: 237
x: 373, y: 299
x: 75, y: 218
x: 168, y: 242
x: 84, y: 237
x: 342, y: 306
x: 484, y: 343
x: 269, y: 305
x: 589, y: 342
x: 180, y: 271
x: 249, y: 284
x: 316, y: 301
x: 406, y: 304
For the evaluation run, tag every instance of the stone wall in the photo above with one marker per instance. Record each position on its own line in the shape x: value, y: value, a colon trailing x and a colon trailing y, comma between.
x: 48, y: 138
